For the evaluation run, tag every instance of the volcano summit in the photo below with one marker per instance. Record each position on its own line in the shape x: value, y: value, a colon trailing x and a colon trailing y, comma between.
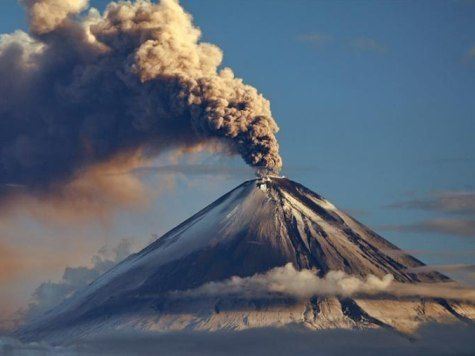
x: 268, y: 253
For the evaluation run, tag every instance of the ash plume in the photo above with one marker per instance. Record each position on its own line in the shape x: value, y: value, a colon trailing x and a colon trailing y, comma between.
x: 83, y: 88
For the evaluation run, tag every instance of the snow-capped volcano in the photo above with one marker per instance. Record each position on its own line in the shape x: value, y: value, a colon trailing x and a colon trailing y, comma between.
x: 260, y: 226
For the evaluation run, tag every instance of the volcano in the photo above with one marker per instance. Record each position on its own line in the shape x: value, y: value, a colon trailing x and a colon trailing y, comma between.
x: 258, y: 226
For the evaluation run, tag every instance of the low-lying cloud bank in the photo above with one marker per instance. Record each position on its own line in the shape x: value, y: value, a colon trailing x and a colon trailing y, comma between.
x: 430, y: 340
x: 288, y: 281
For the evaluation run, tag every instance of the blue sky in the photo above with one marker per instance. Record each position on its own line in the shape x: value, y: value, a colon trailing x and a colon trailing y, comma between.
x: 374, y: 100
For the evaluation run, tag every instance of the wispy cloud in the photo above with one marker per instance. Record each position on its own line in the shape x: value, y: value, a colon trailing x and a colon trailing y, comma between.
x: 455, y: 202
x: 449, y: 202
x: 195, y: 169
x: 316, y: 39
x: 435, y: 253
x: 367, y: 44
x: 459, y: 267
x: 356, y: 44
x: 461, y: 272
x: 209, y: 169
x: 462, y: 159
x: 470, y: 56
x: 458, y: 227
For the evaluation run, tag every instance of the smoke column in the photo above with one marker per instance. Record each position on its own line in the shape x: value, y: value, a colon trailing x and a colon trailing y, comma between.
x: 83, y: 88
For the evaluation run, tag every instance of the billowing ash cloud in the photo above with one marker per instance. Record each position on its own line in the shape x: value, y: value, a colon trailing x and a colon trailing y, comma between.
x: 46, y: 15
x: 83, y: 88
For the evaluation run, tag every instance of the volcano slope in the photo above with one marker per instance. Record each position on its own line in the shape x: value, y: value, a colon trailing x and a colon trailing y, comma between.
x: 261, y: 225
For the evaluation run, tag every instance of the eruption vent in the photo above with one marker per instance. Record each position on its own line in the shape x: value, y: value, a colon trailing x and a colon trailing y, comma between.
x: 83, y: 88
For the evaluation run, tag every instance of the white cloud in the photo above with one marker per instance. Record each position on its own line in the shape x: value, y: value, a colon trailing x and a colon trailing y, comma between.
x: 287, y: 280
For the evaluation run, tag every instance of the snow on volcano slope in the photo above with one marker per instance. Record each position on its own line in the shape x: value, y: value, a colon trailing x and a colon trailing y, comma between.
x: 260, y: 225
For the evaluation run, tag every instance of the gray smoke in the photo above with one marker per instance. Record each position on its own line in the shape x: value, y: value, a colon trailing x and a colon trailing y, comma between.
x: 83, y: 88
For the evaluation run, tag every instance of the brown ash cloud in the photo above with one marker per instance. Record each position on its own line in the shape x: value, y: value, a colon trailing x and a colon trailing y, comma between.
x: 83, y: 88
